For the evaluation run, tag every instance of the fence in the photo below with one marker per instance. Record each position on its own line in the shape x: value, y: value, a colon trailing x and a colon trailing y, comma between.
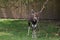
x: 19, y: 9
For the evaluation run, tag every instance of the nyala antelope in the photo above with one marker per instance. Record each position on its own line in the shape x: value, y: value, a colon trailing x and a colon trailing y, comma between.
x: 32, y: 23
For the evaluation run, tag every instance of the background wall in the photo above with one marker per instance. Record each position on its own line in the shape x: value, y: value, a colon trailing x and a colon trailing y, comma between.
x: 21, y: 8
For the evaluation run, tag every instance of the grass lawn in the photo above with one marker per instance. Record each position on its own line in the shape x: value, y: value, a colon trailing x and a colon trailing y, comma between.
x: 11, y: 29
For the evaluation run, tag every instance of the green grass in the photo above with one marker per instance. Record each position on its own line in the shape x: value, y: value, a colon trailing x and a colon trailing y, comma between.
x: 17, y: 30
